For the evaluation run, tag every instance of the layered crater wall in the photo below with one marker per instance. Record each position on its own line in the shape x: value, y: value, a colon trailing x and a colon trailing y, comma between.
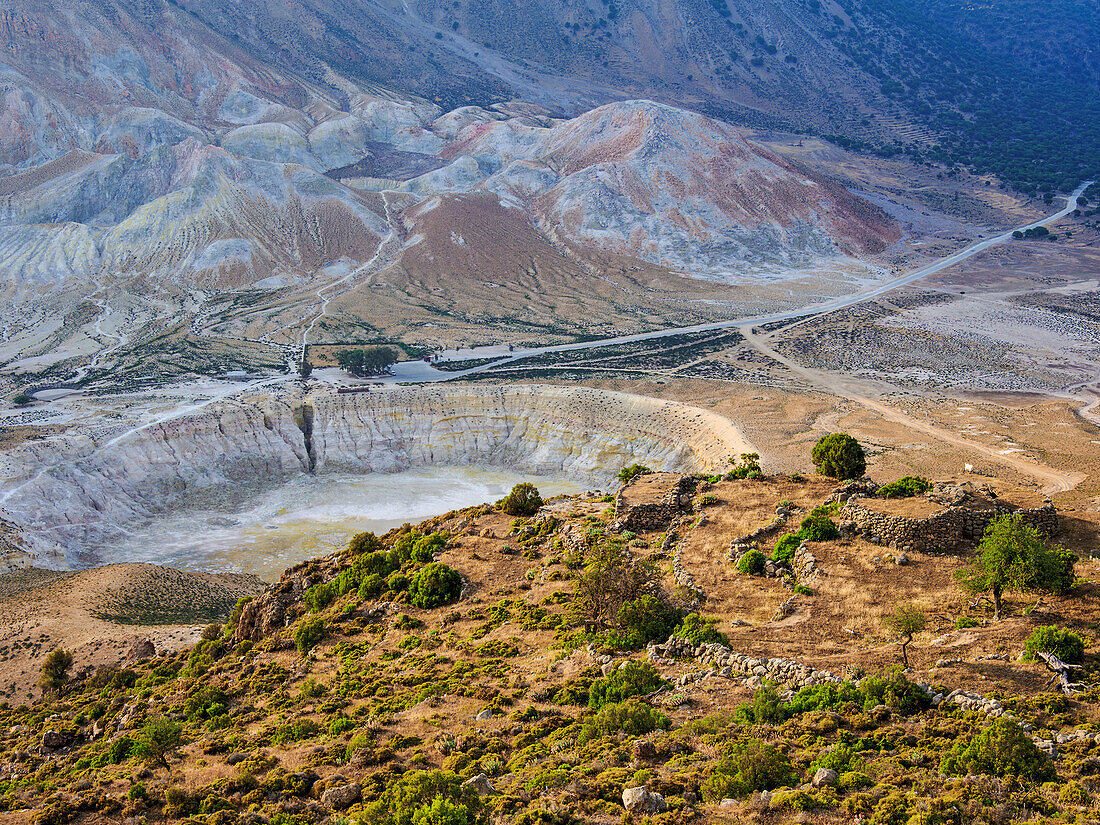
x: 68, y: 497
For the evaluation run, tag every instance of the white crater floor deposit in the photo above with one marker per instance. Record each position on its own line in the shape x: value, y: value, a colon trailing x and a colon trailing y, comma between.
x: 311, y: 516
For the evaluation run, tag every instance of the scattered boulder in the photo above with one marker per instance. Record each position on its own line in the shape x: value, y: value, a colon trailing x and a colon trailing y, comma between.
x: 481, y: 785
x: 53, y: 740
x: 483, y: 716
x: 641, y: 801
x: 342, y: 797
x: 644, y: 749
x: 141, y: 650
x: 824, y: 778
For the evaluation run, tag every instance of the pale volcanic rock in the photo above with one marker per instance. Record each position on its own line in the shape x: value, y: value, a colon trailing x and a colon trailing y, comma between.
x: 675, y: 188
x: 74, y: 494
x: 271, y: 141
x: 340, y: 141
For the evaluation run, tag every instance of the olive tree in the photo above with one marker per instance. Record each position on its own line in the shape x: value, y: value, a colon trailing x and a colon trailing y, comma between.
x: 1013, y: 556
x: 905, y: 621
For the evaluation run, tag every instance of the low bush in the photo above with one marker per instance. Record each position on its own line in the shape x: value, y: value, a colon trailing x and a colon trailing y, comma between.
x: 429, y: 797
x: 1002, y: 749
x: 308, y: 634
x: 628, y: 474
x: 698, y: 630
x: 752, y: 563
x: 435, y: 585
x: 632, y: 679
x: 632, y: 718
x: 905, y: 487
x: 1065, y: 644
x: 785, y: 547
x: 644, y: 620
x: 747, y: 467
x: 372, y: 586
x: 320, y: 596
x: 754, y: 766
x: 524, y: 500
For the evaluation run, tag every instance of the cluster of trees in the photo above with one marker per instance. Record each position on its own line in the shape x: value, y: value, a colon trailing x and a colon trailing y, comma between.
x: 366, y: 361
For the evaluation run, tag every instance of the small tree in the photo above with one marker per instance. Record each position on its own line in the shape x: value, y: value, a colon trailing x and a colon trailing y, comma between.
x: 609, y: 580
x: 22, y: 400
x: 1012, y: 556
x: 55, y: 671
x: 840, y: 456
x: 906, y: 620
x: 159, y: 737
x: 524, y: 500
x: 305, y: 369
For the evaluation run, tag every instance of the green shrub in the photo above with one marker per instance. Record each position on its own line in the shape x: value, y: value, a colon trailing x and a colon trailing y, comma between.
x: 840, y: 456
x: 963, y: 622
x: 905, y: 487
x: 752, y: 563
x: 377, y: 563
x: 766, y: 708
x: 894, y: 690
x: 397, y: 582
x: 159, y: 738
x: 412, y: 546
x: 754, y: 766
x: 628, y: 474
x: 632, y: 718
x: 371, y: 586
x: 698, y: 630
x: 632, y: 679
x: 295, y: 732
x: 840, y: 758
x: 308, y: 634
x: 205, y: 703
x: 434, y: 585
x: 747, y: 467
x: 320, y: 596
x: 120, y: 750
x: 818, y: 527
x: 1065, y: 644
x: 524, y: 500
x: 365, y: 543
x: 409, y: 800
x: 644, y: 620
x: 785, y: 547
x: 1002, y: 749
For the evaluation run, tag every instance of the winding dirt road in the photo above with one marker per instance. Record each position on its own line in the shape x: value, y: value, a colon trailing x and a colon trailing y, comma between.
x: 1053, y: 481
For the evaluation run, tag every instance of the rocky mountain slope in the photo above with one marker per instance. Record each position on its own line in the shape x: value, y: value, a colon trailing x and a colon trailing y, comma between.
x: 555, y: 668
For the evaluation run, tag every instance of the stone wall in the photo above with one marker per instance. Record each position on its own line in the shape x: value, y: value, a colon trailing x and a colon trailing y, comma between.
x: 954, y: 529
x: 643, y: 514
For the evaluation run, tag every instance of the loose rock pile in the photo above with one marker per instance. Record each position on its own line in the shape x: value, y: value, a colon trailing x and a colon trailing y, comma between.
x: 724, y: 663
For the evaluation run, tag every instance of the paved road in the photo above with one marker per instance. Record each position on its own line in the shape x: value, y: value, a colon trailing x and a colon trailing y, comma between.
x: 420, y: 372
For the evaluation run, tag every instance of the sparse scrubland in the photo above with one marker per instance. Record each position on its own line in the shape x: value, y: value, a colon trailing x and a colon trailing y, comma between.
x: 554, y: 668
